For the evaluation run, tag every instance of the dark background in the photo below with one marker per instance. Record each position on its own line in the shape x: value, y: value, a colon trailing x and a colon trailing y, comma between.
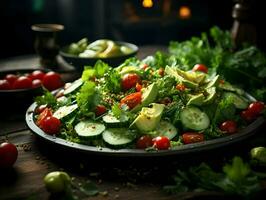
x: 97, y: 19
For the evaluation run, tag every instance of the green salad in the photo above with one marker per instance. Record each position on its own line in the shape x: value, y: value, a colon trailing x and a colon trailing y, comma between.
x: 102, y: 48
x: 145, y: 106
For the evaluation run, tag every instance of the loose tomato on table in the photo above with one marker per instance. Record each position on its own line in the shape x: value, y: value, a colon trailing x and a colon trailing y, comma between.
x: 57, y: 181
x: 130, y: 80
x: 192, y: 137
x: 8, y: 155
x: 201, y: 68
x: 161, y: 142
x: 144, y: 142
x: 229, y: 126
x: 52, y: 81
x: 131, y: 100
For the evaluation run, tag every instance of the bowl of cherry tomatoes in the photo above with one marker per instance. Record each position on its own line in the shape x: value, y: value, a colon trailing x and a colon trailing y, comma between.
x: 18, y: 88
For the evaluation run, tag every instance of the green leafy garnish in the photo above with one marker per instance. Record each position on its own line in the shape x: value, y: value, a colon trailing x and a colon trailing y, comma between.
x: 47, y: 98
x: 236, y: 178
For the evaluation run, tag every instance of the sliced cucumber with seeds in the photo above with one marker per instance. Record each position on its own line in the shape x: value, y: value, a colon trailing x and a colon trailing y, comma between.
x: 65, y: 112
x: 73, y: 87
x: 193, y: 118
x: 89, y: 129
x: 166, y: 129
x: 111, y: 121
x: 118, y: 137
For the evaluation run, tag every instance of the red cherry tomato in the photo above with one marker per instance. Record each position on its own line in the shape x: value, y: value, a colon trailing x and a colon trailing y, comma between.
x: 161, y: 71
x: 229, y: 126
x: 36, y: 83
x: 161, y: 142
x: 180, y: 87
x: 144, y: 141
x: 37, y: 74
x: 100, y: 110
x: 247, y: 115
x: 22, y: 82
x: 144, y: 66
x: 51, y: 125
x: 131, y: 100
x: 4, y: 85
x: 256, y: 107
x: 138, y: 87
x: 129, y: 81
x: 8, y: 155
x: 192, y: 137
x: 11, y: 78
x: 200, y: 67
x: 52, y: 81
x: 45, y: 113
x: 40, y: 109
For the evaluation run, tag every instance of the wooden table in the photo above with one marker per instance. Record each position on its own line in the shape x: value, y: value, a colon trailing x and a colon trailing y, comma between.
x: 116, y: 178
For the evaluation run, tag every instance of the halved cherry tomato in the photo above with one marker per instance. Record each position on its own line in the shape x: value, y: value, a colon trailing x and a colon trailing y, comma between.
x: 4, y: 85
x: 11, y: 78
x: 8, y: 154
x: 51, y: 125
x: 99, y: 110
x: 229, y: 126
x: 161, y: 142
x: 144, y: 141
x: 138, y: 87
x: 22, y: 82
x: 200, y: 67
x: 132, y: 100
x: 256, y: 107
x: 40, y: 109
x: 129, y: 81
x: 45, y: 113
x: 180, y: 87
x: 52, y: 81
x: 192, y: 137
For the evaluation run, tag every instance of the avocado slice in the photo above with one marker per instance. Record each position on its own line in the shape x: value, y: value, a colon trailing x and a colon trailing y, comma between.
x: 196, y: 100
x: 211, y: 93
x: 130, y: 69
x: 213, y: 82
x: 148, y: 118
x: 180, y: 76
x: 148, y: 96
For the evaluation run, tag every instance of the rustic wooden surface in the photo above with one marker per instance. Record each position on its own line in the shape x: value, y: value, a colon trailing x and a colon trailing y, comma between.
x: 122, y: 179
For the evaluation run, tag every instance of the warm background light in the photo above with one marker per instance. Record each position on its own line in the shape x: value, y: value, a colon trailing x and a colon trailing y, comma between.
x: 147, y: 3
x: 184, y: 12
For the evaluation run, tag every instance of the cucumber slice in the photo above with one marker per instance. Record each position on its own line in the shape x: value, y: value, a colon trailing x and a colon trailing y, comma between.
x: 73, y: 87
x: 193, y: 118
x: 89, y: 129
x: 111, y: 121
x: 166, y: 129
x: 65, y: 112
x: 118, y: 137
x: 238, y: 101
